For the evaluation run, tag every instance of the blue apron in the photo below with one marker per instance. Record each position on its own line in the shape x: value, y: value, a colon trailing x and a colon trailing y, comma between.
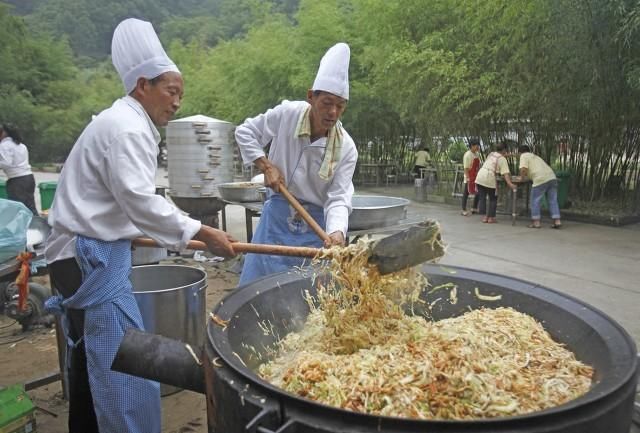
x: 280, y: 225
x: 123, y: 403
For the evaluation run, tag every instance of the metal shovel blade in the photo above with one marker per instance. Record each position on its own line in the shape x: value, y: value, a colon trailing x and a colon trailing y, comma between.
x: 418, y: 244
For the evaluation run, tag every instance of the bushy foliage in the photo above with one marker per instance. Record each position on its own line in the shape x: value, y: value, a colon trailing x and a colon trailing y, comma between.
x: 531, y: 71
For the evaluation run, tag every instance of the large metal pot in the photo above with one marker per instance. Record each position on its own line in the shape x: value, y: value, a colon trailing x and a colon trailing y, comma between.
x: 371, y: 211
x: 172, y: 300
x: 238, y: 400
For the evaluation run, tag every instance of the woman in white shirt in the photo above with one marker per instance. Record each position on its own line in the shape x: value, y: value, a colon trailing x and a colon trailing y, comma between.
x: 495, y: 164
x: 14, y: 160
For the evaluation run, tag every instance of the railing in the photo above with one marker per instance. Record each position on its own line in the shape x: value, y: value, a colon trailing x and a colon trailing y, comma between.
x: 449, y: 178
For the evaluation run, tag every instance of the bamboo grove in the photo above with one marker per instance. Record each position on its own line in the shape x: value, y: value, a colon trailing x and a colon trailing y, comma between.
x: 560, y: 75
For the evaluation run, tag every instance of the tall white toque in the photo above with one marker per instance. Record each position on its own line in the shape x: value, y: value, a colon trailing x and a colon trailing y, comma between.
x: 137, y: 52
x: 333, y: 73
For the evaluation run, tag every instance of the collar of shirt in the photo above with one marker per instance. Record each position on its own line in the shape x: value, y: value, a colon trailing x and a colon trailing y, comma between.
x: 137, y: 106
x: 7, y: 139
x: 333, y: 149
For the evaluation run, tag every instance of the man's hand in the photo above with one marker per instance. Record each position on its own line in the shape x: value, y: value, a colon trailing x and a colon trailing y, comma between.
x: 218, y: 242
x: 272, y: 175
x: 335, y: 238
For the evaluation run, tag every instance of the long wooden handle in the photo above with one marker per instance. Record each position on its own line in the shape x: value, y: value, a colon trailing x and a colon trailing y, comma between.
x: 242, y: 247
x: 303, y: 213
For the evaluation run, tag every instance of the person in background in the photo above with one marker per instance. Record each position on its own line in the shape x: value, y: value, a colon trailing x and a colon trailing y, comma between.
x: 422, y: 160
x: 14, y: 161
x: 495, y: 164
x: 544, y: 183
x: 105, y: 198
x: 313, y: 156
x: 471, y: 165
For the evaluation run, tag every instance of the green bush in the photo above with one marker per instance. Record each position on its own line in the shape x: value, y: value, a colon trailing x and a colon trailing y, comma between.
x: 456, y: 151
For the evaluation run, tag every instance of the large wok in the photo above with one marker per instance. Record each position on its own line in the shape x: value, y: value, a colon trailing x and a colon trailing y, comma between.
x: 239, y: 400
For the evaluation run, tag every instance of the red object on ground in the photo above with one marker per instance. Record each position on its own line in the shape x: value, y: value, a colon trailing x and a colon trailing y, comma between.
x: 22, y: 281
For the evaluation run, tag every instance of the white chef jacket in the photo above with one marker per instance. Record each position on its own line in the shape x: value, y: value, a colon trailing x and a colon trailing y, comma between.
x: 14, y: 159
x: 299, y: 161
x: 107, y: 187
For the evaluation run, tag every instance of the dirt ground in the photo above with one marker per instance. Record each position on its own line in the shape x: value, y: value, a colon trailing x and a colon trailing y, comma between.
x: 26, y: 356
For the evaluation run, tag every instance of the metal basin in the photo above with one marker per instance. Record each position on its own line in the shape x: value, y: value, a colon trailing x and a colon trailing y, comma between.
x: 37, y: 232
x: 373, y: 211
x: 241, y: 191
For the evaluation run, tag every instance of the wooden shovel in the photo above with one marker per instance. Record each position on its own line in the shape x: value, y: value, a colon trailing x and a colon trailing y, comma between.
x: 418, y: 244
x: 241, y: 247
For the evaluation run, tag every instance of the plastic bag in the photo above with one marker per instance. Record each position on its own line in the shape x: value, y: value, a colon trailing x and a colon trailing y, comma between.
x: 14, y: 222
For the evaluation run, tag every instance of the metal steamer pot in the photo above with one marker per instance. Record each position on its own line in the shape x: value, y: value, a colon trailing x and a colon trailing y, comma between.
x: 240, y: 401
x: 200, y: 155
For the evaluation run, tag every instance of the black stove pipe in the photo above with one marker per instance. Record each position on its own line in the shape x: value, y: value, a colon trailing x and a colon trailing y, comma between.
x: 159, y: 358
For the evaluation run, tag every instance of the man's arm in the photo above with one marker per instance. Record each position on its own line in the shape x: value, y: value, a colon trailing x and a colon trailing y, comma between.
x: 272, y: 175
x: 505, y: 172
x: 218, y: 242
x: 255, y: 133
x: 130, y: 177
x: 338, y: 204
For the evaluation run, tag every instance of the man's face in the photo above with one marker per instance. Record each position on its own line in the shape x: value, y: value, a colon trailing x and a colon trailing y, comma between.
x: 475, y: 148
x: 161, y: 97
x: 326, y: 109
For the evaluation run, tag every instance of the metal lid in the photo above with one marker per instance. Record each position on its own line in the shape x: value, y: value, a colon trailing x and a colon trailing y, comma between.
x: 198, y: 118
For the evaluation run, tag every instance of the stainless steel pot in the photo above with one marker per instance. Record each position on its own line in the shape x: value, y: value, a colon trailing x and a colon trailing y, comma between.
x: 240, y: 191
x: 371, y: 211
x: 147, y: 256
x: 172, y: 300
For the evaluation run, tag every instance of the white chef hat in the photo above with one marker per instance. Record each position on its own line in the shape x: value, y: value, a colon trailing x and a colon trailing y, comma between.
x: 333, y: 73
x: 137, y: 52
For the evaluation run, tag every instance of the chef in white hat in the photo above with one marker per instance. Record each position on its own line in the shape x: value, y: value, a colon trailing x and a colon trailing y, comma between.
x: 312, y: 155
x: 105, y: 197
